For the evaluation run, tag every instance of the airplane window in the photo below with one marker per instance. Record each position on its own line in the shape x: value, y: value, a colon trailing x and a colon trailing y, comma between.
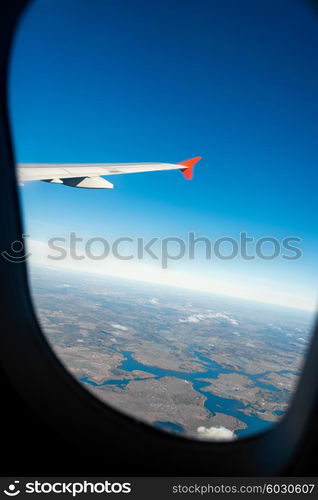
x: 184, y: 293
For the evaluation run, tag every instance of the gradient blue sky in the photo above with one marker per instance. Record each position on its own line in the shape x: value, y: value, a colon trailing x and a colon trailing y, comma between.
x: 122, y: 80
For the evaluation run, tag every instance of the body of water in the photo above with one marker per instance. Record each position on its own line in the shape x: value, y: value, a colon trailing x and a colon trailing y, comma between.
x: 212, y: 403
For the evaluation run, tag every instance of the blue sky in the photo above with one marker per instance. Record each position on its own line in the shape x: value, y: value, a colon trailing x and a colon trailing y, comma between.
x: 234, y: 82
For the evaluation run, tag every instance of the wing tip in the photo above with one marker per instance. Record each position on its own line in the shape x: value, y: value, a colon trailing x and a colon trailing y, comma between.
x: 187, y: 168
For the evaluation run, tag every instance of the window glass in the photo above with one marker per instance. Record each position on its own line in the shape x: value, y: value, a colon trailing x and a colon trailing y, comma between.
x: 184, y: 300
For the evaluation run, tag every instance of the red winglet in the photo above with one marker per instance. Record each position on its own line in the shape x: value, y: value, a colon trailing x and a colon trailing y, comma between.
x: 188, y: 165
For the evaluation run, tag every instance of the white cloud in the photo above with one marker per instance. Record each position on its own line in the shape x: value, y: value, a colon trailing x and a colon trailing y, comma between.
x: 196, y: 318
x: 119, y: 327
x: 217, y: 433
x: 154, y: 301
x: 224, y: 316
x: 190, y: 319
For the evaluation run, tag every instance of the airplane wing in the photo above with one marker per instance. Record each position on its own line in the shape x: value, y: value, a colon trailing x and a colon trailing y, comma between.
x: 88, y: 175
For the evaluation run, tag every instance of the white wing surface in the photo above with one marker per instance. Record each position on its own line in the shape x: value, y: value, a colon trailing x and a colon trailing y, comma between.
x: 89, y: 175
